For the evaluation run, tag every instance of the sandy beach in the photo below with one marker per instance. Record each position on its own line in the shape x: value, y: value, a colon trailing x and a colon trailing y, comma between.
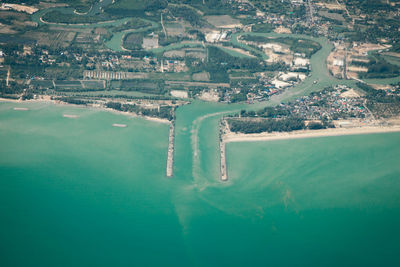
x: 49, y: 100
x: 234, y: 137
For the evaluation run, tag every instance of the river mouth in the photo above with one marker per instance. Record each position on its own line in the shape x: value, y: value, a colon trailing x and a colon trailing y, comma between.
x: 111, y: 185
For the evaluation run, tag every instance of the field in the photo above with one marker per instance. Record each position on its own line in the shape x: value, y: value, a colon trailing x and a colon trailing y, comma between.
x: 236, y: 52
x: 142, y: 85
x: 68, y: 85
x: 133, y: 41
x: 93, y: 84
x: 223, y: 21
x: 201, y: 76
x: 79, y: 85
x: 392, y: 60
x: 53, y: 38
x: 173, y: 76
x: 42, y: 84
x: 333, y: 16
x: 174, y: 54
x: 174, y: 29
x: 265, y: 27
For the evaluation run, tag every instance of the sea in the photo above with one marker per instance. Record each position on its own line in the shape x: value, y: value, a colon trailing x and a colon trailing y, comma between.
x: 76, y: 191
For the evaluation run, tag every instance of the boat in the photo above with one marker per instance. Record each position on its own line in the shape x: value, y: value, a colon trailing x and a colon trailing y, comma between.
x: 70, y: 116
x: 119, y: 125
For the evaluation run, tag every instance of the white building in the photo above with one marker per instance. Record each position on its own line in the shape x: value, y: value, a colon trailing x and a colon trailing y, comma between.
x: 338, y: 62
x: 213, y: 37
x: 301, y: 62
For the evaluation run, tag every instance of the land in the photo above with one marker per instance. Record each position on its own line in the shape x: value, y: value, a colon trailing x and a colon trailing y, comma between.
x: 385, y: 127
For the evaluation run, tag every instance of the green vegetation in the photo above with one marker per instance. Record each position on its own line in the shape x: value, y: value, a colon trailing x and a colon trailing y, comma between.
x: 142, y: 85
x: 266, y: 125
x: 272, y: 6
x: 81, y: 6
x: 135, y: 7
x: 219, y: 62
x: 72, y: 100
x: 188, y: 14
x: 264, y: 27
x: 133, y: 41
x: 60, y: 73
x: 379, y: 102
x: 369, y: 6
x: 208, y: 7
x: 379, y: 67
x: 59, y: 17
x: 240, y: 97
x: 133, y: 23
x: 165, y: 112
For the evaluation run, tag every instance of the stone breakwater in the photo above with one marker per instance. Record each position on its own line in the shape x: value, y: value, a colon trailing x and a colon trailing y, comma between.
x: 224, y: 174
x: 222, y: 148
x: 170, y: 158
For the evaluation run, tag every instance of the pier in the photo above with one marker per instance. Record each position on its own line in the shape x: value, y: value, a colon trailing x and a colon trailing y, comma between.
x: 170, y: 158
x: 224, y: 174
x: 222, y: 148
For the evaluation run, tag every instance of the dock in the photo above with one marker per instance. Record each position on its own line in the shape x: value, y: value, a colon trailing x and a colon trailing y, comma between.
x: 170, y: 158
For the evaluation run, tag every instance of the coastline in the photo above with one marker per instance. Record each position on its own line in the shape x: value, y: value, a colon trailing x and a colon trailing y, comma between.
x: 55, y: 102
x: 234, y: 137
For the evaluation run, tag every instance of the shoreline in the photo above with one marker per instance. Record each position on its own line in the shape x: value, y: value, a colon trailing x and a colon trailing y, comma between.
x: 55, y: 102
x: 302, y: 134
x: 75, y: 24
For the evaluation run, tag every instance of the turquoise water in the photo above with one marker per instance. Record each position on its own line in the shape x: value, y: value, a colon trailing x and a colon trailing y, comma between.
x: 79, y: 192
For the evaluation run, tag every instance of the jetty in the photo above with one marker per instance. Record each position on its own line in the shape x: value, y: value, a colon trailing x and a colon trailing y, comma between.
x: 224, y: 174
x: 170, y: 157
x: 222, y: 150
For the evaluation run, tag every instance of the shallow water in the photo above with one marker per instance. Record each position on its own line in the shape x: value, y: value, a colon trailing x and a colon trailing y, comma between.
x: 77, y: 191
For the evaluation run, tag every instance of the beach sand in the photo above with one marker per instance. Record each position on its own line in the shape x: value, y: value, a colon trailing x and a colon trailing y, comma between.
x: 239, y: 137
